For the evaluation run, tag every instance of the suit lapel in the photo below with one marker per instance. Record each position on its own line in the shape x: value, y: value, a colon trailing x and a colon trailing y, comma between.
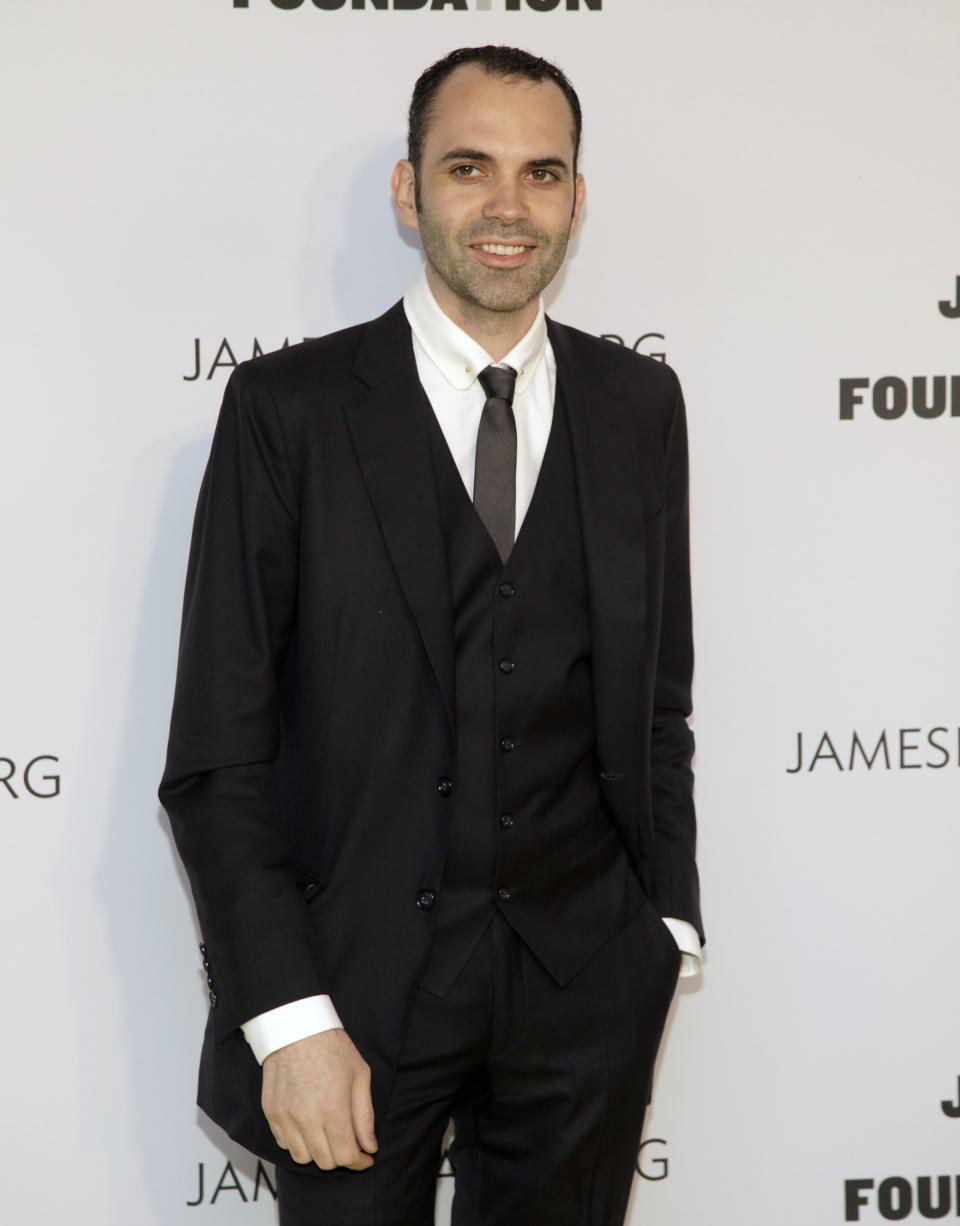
x: 388, y: 426
x: 604, y: 440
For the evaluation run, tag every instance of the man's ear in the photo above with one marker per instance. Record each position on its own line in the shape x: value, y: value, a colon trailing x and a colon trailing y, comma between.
x: 579, y: 195
x: 403, y: 182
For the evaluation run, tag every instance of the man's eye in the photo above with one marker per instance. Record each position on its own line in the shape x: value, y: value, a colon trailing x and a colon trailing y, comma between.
x: 542, y: 175
x: 465, y: 172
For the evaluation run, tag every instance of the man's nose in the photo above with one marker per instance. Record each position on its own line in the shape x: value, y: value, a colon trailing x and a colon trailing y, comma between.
x: 505, y: 202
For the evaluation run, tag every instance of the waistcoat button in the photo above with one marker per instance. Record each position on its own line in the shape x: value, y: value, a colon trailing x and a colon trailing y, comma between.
x: 507, y: 590
x: 426, y: 900
x: 503, y: 894
x: 507, y: 666
x: 506, y: 821
x: 445, y: 786
x: 506, y: 744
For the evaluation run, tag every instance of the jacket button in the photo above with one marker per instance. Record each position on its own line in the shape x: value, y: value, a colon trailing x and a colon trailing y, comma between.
x: 507, y: 666
x: 507, y: 590
x: 506, y: 744
x: 426, y: 900
x: 213, y: 1000
x: 503, y: 894
x: 445, y: 786
x: 203, y: 950
x: 210, y: 983
x: 506, y: 821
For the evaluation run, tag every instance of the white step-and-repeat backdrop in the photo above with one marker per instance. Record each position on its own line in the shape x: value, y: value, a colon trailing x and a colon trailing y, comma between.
x: 774, y: 208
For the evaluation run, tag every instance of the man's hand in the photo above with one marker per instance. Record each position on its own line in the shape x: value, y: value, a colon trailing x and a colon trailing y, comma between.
x: 316, y: 1097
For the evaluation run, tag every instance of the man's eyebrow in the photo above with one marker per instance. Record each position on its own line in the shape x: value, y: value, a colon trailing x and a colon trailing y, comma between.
x: 551, y: 163
x: 465, y: 155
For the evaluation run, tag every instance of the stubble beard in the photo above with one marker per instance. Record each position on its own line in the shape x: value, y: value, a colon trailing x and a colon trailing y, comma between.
x: 491, y: 289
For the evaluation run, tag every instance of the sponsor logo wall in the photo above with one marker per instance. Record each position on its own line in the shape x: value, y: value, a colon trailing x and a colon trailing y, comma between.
x: 905, y: 749
x: 771, y: 210
x: 434, y: 6
x: 38, y: 778
x: 896, y: 1198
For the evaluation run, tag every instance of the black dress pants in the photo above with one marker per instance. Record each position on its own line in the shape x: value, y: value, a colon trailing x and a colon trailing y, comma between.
x: 546, y: 1087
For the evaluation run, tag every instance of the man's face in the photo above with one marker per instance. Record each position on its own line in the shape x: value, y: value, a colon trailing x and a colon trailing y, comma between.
x: 498, y: 199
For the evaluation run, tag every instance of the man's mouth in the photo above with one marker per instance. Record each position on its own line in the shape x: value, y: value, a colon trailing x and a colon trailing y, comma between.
x: 502, y: 248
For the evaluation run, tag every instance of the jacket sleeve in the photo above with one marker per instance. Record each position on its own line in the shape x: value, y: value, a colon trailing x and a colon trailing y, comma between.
x: 676, y: 890
x: 219, y: 787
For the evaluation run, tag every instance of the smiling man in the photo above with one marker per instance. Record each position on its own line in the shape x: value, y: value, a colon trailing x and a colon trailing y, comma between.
x: 495, y: 213
x: 429, y: 764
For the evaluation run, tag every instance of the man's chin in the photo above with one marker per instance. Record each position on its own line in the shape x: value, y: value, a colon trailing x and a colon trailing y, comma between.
x: 502, y: 291
x: 507, y: 296
x: 505, y: 306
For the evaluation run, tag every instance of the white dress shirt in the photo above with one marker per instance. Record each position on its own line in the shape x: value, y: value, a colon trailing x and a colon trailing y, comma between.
x: 448, y: 363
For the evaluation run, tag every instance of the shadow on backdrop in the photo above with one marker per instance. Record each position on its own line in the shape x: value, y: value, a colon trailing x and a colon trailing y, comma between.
x: 377, y: 256
x: 151, y: 930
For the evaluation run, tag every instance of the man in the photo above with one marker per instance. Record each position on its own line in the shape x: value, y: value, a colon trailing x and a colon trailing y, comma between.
x: 429, y: 766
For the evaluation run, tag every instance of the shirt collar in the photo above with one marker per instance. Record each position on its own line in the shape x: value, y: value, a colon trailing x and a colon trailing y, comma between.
x: 457, y: 356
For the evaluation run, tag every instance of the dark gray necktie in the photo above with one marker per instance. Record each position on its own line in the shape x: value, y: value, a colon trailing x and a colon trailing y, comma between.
x: 495, y: 475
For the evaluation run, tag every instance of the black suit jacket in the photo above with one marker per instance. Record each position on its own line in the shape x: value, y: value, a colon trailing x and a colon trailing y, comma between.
x: 314, y: 712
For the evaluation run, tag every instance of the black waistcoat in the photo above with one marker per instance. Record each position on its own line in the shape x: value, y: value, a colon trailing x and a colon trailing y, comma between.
x: 528, y: 834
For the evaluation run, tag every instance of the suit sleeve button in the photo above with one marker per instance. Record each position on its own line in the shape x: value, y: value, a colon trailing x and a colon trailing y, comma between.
x: 213, y: 1000
x: 426, y: 900
x: 445, y: 785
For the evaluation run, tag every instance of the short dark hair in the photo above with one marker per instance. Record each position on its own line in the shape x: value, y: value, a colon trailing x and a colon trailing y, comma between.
x: 498, y: 62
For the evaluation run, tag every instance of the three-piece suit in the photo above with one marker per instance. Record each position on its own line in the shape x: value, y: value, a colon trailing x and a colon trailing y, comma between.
x: 388, y: 744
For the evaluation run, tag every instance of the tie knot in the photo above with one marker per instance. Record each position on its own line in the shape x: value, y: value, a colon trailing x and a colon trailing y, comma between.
x: 498, y: 382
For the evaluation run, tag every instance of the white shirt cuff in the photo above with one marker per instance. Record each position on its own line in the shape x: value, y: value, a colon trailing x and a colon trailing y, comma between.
x: 691, y: 950
x: 268, y: 1032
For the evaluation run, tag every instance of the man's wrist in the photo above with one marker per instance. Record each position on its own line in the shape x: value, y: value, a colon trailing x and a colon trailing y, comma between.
x: 688, y: 943
x: 289, y: 1023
